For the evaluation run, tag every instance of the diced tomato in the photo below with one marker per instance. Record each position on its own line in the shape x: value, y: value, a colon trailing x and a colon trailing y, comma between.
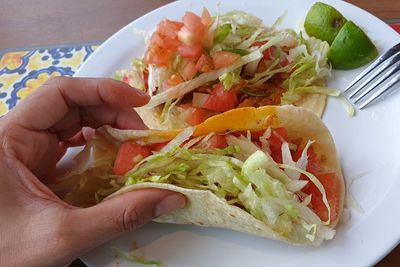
x: 221, y: 100
x: 258, y: 43
x: 157, y: 55
x: 278, y: 136
x: 329, y: 181
x: 169, y: 28
x: 257, y: 134
x: 331, y: 184
x: 166, y: 35
x: 217, y: 141
x: 171, y: 44
x: 198, y: 116
x: 224, y: 59
x: 268, y: 53
x: 190, y: 51
x: 188, y: 70
x: 174, y: 80
x: 163, y: 43
x: 204, y: 64
x: 206, y: 18
x: 285, y: 61
x: 194, y: 24
x: 193, y: 31
x: 156, y: 39
x: 129, y: 154
x: 158, y: 146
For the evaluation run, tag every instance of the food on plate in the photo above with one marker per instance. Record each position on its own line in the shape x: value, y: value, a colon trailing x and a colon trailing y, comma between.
x: 350, y: 46
x: 270, y: 171
x: 204, y: 65
x: 324, y: 22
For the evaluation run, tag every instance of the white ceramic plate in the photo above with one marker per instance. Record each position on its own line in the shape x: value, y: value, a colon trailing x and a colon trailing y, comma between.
x: 367, y: 143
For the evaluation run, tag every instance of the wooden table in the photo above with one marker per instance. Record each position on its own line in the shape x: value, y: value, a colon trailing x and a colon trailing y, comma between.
x: 25, y: 23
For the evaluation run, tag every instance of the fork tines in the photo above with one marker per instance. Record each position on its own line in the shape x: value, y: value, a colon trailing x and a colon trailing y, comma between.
x: 383, y: 71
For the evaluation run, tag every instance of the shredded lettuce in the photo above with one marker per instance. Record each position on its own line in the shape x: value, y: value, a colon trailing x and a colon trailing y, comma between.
x: 301, y: 162
x: 222, y: 32
x: 230, y: 79
x: 241, y: 174
x: 249, y: 41
x: 178, y: 140
x: 156, y: 78
x: 134, y: 258
x: 317, y: 183
x: 188, y: 86
x: 239, y: 18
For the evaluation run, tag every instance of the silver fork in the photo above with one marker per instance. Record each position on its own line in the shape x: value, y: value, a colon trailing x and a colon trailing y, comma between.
x: 383, y: 71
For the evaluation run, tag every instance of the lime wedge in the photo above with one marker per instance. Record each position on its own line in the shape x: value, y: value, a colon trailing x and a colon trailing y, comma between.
x: 351, y: 48
x: 323, y: 22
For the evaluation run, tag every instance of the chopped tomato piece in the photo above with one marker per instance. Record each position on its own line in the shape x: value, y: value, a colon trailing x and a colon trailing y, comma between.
x: 257, y: 134
x: 206, y: 18
x: 198, y: 116
x: 190, y: 51
x: 157, y: 55
x: 221, y: 100
x: 194, y: 24
x: 224, y: 59
x: 278, y: 136
x: 204, y: 64
x: 188, y: 70
x: 285, y: 61
x: 129, y: 154
x: 166, y: 35
x: 258, y: 43
x: 268, y: 53
x: 331, y: 184
x: 169, y: 28
x: 175, y: 79
x: 193, y: 31
x: 217, y: 141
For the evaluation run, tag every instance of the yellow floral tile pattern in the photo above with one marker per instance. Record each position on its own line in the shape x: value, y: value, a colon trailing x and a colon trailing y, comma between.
x: 22, y: 72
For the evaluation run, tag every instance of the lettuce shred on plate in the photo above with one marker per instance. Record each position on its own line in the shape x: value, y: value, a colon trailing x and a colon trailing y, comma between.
x: 260, y: 65
x: 135, y: 258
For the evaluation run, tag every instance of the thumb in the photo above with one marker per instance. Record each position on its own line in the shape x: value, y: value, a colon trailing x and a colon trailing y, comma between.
x: 95, y: 225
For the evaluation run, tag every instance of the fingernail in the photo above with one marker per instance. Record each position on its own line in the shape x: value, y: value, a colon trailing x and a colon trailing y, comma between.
x: 169, y: 204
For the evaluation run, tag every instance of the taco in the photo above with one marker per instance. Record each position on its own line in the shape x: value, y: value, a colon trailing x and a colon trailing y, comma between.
x: 202, y: 66
x: 270, y: 171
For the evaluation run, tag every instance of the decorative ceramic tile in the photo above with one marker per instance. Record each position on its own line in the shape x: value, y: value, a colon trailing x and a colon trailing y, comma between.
x: 21, y: 72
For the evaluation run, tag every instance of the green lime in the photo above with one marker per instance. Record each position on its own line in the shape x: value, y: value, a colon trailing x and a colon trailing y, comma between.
x: 323, y: 22
x: 351, y: 48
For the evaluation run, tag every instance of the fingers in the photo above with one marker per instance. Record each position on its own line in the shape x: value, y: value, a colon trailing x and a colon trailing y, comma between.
x: 48, y: 105
x: 97, y: 91
x: 81, y: 138
x: 94, y: 117
x: 129, y: 211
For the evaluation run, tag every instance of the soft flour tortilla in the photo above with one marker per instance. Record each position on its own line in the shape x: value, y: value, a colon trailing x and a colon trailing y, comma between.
x: 151, y: 117
x: 204, y: 208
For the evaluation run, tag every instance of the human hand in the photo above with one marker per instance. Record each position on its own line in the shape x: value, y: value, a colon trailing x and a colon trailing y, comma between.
x: 36, y: 227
